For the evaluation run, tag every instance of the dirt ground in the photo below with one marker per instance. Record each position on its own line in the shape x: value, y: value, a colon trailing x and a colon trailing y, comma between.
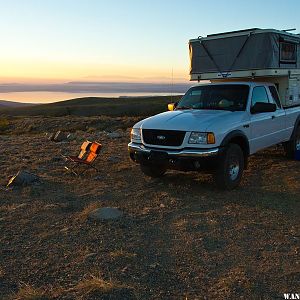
x: 180, y: 237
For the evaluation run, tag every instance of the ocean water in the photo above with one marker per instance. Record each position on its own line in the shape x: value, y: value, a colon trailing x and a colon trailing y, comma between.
x: 48, y: 97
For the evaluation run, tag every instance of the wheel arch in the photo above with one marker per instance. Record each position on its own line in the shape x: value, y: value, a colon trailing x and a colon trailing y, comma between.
x: 239, y: 138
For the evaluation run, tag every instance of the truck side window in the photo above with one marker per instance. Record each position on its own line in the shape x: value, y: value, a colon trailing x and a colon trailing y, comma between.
x: 259, y: 94
x: 275, y: 96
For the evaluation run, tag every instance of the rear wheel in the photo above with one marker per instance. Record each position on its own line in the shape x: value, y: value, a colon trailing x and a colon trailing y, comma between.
x: 154, y: 171
x: 230, y: 170
x: 293, y: 145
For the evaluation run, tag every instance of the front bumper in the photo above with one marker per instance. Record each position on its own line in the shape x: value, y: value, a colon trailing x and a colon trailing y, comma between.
x: 188, y: 159
x: 138, y: 149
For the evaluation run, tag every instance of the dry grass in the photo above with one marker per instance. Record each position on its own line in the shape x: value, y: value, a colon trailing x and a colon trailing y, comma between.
x: 11, y: 207
x: 182, y: 237
x: 90, y: 287
x: 4, y: 124
x: 2, y: 273
x: 122, y: 253
x: 92, y: 106
x: 27, y: 292
x: 97, y: 287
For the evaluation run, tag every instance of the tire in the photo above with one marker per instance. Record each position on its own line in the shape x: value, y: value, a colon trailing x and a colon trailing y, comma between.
x: 293, y: 145
x: 154, y: 171
x: 231, y: 167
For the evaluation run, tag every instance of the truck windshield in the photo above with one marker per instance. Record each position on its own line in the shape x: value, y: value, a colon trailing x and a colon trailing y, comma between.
x: 231, y: 97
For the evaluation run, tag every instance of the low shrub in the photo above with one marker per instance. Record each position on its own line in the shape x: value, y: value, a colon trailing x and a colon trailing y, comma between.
x: 3, y: 124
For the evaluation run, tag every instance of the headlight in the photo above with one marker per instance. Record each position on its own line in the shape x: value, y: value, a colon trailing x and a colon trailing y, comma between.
x: 135, y: 134
x: 202, y: 138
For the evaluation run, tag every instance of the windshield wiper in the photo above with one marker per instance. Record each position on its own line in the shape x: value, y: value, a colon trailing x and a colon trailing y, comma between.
x: 184, y: 107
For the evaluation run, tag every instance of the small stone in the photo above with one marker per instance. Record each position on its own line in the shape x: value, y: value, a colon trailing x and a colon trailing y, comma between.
x: 91, y: 255
x: 114, y: 159
x: 50, y: 206
x: 59, y: 136
x: 105, y: 213
x: 64, y: 230
x: 50, y: 136
x: 154, y: 265
x: 56, y: 158
x: 114, y: 135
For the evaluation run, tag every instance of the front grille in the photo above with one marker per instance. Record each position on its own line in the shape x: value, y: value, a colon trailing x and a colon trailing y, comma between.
x: 163, y: 137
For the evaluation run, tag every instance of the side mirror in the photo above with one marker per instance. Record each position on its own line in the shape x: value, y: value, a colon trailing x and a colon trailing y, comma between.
x: 262, y: 107
x: 172, y: 106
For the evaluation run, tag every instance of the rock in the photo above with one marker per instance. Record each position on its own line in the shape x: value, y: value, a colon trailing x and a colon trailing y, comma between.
x: 50, y: 136
x: 154, y: 265
x: 23, y: 178
x: 114, y: 135
x: 105, y: 213
x: 90, y: 256
x: 55, y: 158
x: 59, y: 136
x: 114, y: 159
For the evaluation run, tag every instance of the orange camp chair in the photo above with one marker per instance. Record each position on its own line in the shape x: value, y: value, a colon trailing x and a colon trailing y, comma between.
x: 89, y: 152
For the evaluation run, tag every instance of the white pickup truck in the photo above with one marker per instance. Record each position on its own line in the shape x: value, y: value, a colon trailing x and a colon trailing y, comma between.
x: 216, y: 127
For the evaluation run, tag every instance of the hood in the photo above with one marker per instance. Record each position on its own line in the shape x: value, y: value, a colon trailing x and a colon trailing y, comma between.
x: 185, y: 120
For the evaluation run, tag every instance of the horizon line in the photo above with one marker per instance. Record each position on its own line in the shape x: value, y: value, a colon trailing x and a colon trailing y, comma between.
x: 96, y: 87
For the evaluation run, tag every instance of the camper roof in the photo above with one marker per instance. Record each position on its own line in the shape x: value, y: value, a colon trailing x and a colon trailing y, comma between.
x: 244, y: 53
x: 244, y: 32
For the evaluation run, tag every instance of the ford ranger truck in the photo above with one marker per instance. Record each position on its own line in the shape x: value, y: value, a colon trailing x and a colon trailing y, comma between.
x: 215, y: 127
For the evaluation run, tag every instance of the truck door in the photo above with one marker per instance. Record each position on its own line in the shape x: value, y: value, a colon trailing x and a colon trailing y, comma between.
x: 282, y: 134
x: 264, y: 127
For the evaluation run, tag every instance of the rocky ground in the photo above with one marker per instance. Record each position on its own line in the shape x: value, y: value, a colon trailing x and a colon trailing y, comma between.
x: 179, y: 238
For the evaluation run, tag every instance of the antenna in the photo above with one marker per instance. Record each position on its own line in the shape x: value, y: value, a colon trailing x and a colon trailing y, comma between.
x: 172, y: 85
x: 292, y: 29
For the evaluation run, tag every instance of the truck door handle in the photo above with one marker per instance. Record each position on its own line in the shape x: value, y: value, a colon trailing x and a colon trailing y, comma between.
x: 273, y: 117
x: 246, y: 126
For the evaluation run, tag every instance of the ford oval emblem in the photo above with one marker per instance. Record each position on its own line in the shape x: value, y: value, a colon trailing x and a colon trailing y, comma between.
x: 161, y: 137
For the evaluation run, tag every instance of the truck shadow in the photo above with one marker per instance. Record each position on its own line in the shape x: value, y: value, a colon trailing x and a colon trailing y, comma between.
x: 270, y: 183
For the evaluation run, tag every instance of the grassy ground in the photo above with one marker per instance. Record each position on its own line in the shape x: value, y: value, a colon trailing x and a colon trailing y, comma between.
x: 93, y: 106
x: 181, y: 237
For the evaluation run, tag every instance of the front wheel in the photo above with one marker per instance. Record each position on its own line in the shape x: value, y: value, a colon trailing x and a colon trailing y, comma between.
x: 154, y: 171
x: 231, y: 167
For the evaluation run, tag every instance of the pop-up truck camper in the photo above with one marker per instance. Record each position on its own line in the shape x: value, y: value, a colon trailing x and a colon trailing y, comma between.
x: 247, y: 99
x: 260, y: 55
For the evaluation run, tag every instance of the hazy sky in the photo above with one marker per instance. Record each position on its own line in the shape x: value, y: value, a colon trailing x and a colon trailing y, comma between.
x: 67, y: 40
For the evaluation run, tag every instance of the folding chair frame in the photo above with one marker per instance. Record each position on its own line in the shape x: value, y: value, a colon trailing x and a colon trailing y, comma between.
x: 75, y: 166
x: 77, y: 162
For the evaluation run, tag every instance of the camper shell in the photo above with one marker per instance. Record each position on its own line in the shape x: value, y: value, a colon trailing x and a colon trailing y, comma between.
x: 265, y: 55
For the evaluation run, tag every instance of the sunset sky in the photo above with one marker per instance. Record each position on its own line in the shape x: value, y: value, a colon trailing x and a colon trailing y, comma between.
x: 129, y: 40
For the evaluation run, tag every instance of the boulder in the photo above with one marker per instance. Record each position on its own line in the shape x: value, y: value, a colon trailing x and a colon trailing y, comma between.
x: 105, y: 213
x: 23, y: 178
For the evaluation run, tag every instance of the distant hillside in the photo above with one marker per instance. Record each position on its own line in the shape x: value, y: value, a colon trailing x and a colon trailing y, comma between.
x: 5, y: 103
x: 92, y: 106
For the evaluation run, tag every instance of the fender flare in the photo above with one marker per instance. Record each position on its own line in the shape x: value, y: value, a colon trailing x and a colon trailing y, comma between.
x: 238, y: 134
